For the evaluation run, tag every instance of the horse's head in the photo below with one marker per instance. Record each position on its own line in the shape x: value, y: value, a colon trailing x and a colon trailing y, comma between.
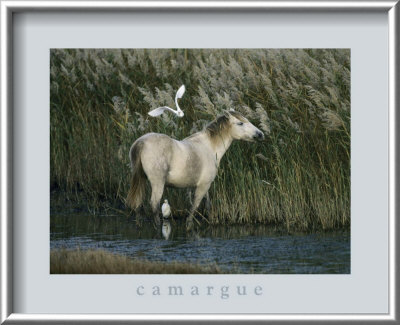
x: 241, y: 128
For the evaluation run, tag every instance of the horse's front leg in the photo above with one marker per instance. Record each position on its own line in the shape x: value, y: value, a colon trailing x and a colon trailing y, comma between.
x: 201, y: 190
x: 157, y: 189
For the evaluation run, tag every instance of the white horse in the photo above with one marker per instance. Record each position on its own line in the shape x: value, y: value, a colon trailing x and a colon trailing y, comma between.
x: 190, y: 163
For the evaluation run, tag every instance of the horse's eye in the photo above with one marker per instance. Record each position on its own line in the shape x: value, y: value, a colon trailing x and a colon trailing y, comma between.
x: 240, y: 123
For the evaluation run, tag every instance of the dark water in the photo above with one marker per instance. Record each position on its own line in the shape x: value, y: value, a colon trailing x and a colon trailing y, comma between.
x: 237, y: 249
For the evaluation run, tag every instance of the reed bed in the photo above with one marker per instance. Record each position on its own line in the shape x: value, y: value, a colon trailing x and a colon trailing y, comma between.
x: 298, y: 177
x: 78, y: 261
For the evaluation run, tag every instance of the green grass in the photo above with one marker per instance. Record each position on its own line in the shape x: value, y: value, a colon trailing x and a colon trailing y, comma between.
x: 101, y: 262
x: 298, y: 177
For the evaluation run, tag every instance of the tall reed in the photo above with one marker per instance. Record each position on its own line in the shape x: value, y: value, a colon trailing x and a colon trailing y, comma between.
x: 299, y: 176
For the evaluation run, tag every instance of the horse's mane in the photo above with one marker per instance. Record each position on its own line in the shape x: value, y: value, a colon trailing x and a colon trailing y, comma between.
x: 221, y: 125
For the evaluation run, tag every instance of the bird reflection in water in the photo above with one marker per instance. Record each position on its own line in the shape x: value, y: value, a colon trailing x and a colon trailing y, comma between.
x: 166, y: 229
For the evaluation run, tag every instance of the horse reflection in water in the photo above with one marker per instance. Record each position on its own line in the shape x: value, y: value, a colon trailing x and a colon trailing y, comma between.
x: 190, y: 163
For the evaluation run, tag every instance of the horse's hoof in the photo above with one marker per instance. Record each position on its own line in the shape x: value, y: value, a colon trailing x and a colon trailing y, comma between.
x: 189, y: 225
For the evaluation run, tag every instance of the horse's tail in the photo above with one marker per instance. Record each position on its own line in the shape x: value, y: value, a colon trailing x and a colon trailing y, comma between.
x: 138, y: 180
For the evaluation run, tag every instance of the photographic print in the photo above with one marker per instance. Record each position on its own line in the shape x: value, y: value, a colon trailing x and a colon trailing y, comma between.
x: 217, y: 161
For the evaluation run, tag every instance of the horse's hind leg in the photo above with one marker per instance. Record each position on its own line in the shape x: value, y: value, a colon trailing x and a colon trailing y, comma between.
x: 157, y: 189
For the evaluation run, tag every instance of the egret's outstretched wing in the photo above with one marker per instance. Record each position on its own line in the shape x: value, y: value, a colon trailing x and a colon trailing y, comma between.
x: 158, y: 111
x: 180, y: 92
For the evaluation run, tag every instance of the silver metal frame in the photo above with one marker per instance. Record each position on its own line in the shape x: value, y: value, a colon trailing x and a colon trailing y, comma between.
x: 8, y: 8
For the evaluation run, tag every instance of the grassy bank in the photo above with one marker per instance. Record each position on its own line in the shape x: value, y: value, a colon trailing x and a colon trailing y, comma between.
x: 101, y: 262
x: 298, y: 177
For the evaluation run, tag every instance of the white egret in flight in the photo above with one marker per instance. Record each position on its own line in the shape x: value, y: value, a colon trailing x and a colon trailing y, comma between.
x: 158, y: 111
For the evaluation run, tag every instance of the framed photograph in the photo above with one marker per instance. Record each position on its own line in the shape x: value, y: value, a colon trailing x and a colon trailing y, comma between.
x: 198, y: 161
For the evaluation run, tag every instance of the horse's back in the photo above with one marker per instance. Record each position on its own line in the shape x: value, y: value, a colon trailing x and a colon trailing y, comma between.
x: 154, y: 137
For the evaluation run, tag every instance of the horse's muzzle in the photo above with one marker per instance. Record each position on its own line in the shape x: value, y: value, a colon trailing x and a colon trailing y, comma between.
x: 259, y: 135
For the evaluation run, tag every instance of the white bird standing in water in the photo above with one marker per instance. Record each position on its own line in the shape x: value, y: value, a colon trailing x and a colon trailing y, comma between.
x: 166, y: 209
x: 158, y: 111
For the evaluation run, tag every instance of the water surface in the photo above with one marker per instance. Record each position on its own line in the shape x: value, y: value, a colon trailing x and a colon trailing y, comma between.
x: 236, y: 249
